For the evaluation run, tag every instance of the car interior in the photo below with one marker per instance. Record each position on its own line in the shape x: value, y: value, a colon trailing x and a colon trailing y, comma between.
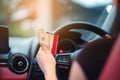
x: 76, y: 25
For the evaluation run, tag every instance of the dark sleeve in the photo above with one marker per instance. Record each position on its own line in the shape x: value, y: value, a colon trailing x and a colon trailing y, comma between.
x: 93, y: 57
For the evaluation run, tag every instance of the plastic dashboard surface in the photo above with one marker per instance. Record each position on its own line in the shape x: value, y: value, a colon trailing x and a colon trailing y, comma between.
x: 6, y: 74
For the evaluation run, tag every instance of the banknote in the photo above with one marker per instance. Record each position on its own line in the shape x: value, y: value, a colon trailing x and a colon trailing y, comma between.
x: 48, y: 39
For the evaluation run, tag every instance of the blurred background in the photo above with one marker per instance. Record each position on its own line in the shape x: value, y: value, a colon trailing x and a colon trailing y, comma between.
x: 24, y: 17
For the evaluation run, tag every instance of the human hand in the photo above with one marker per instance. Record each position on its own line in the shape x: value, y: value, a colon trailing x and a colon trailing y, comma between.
x: 47, y: 63
x: 107, y: 36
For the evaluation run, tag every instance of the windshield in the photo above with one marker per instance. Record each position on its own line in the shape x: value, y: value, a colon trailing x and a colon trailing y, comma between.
x: 23, y: 17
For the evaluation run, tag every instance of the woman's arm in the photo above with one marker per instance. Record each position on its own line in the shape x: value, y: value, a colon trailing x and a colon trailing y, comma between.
x: 77, y: 72
x: 47, y: 63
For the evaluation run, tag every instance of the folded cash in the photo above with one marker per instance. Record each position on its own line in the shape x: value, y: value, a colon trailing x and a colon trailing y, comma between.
x: 48, y: 39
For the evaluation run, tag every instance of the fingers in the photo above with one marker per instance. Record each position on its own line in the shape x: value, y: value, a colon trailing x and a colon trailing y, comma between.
x: 43, y: 50
x: 107, y: 36
x: 43, y: 46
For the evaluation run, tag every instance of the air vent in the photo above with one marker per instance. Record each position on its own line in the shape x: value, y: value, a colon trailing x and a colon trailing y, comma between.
x: 18, y: 63
x: 63, y: 59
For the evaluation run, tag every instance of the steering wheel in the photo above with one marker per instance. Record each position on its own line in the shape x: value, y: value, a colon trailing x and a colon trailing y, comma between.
x: 64, y: 29
x: 64, y: 60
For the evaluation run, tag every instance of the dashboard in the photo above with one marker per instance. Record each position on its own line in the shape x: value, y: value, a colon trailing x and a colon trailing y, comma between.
x: 20, y: 61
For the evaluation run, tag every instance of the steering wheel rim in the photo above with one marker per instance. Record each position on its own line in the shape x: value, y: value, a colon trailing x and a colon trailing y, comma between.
x: 81, y: 25
x: 66, y: 58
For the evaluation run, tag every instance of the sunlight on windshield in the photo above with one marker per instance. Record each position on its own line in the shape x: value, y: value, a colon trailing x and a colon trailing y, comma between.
x: 25, y: 16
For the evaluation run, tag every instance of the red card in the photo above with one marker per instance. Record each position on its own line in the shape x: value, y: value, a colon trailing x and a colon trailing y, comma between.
x: 55, y: 43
